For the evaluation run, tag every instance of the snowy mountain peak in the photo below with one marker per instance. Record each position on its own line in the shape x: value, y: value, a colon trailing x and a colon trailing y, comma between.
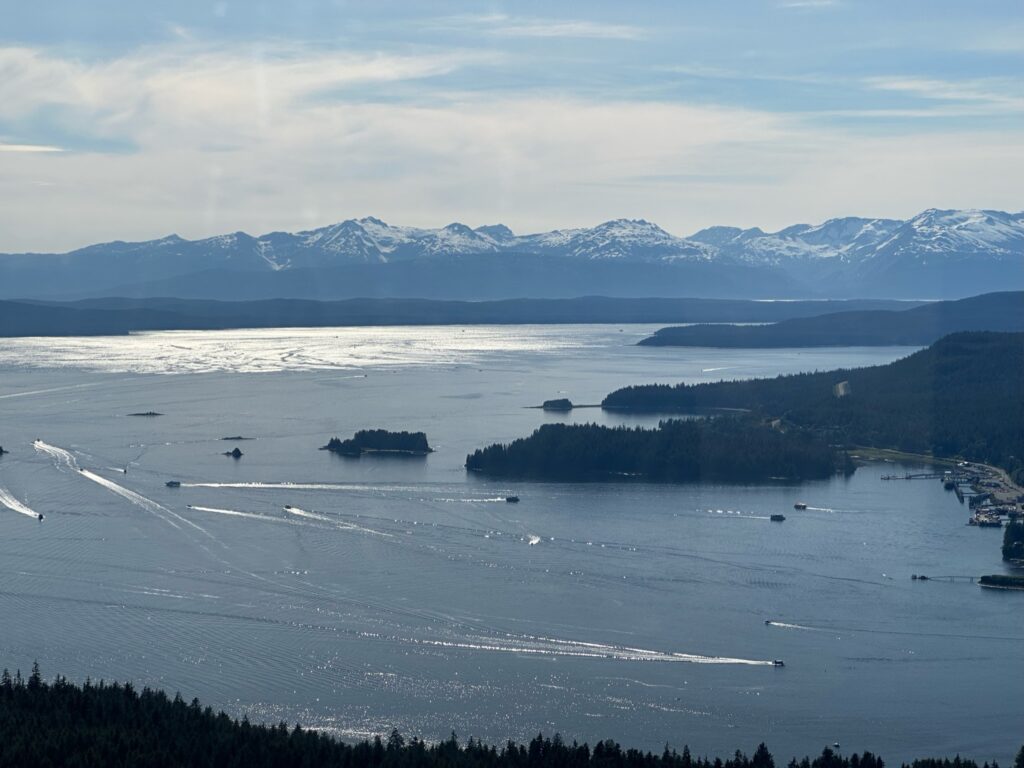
x: 499, y: 233
x: 855, y: 255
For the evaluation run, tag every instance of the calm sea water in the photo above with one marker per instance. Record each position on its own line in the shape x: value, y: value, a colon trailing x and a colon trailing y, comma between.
x: 404, y: 593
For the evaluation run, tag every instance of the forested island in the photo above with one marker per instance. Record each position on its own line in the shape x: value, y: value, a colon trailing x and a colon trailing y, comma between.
x: 110, y: 724
x: 960, y: 397
x: 724, y: 449
x: 560, y: 404
x: 380, y: 441
x: 1013, y: 542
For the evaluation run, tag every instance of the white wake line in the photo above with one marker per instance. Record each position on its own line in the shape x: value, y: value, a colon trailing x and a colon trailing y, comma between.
x: 784, y: 625
x: 134, y: 498
x: 46, y: 391
x: 298, y: 486
x: 337, y: 523
x: 57, y: 454
x: 237, y: 513
x: 68, y: 459
x: 16, y: 506
x: 575, y: 649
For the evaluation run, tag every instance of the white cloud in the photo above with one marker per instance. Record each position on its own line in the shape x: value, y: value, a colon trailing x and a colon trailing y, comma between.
x: 28, y: 148
x: 581, y: 29
x: 521, y: 26
x: 809, y: 3
x: 230, y: 140
x: 997, y: 95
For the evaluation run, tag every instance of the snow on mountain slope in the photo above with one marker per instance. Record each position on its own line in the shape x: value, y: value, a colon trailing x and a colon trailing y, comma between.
x: 940, y: 252
x: 958, y: 234
x: 616, y: 239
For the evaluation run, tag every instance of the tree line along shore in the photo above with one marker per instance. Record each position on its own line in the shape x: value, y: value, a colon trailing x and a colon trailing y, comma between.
x: 61, y: 723
x: 960, y: 397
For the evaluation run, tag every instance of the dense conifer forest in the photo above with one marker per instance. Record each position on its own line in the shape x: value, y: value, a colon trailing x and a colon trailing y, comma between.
x: 961, y: 397
x: 62, y: 724
x: 369, y: 440
x: 724, y: 449
x: 1013, y: 542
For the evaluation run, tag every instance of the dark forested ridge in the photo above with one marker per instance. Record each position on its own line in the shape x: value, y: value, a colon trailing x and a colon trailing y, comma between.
x: 874, y: 327
x: 960, y: 397
x: 114, y: 726
x: 112, y: 316
x: 380, y: 440
x: 724, y: 449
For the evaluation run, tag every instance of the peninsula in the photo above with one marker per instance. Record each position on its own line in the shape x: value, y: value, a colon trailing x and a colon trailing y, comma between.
x: 888, y: 326
x: 959, y: 398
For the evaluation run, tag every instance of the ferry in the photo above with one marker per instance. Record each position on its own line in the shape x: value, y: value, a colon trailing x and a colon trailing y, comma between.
x: 800, y: 505
x: 777, y: 518
x: 512, y: 499
x: 174, y: 483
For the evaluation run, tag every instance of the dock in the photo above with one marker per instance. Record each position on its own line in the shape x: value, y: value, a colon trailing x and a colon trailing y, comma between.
x: 949, y: 579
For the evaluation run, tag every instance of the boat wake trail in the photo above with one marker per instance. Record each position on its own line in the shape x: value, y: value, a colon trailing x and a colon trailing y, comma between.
x: 298, y: 486
x: 63, y: 459
x: 336, y: 523
x: 236, y: 513
x: 546, y: 646
x: 16, y: 506
x: 135, y: 498
x: 785, y: 625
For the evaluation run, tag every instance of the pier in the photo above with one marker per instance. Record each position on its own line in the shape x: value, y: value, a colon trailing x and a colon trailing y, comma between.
x: 916, y: 476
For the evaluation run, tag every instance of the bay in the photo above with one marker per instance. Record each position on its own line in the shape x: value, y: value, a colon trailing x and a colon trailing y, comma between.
x: 404, y: 593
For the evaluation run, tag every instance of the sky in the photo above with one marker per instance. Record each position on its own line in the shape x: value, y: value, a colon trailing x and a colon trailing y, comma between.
x: 128, y: 120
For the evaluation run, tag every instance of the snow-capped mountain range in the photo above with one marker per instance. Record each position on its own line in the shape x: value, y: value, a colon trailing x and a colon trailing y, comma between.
x: 938, y: 253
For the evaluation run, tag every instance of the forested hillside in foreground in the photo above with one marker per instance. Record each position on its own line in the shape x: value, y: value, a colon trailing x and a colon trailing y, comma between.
x: 111, y: 725
x: 963, y: 396
x: 724, y: 449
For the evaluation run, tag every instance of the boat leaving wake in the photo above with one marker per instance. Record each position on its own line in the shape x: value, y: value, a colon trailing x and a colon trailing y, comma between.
x: 546, y: 646
x: 59, y: 455
x: 66, y: 459
x: 785, y: 625
x: 16, y: 506
x: 236, y: 513
x: 336, y: 523
x: 298, y: 486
